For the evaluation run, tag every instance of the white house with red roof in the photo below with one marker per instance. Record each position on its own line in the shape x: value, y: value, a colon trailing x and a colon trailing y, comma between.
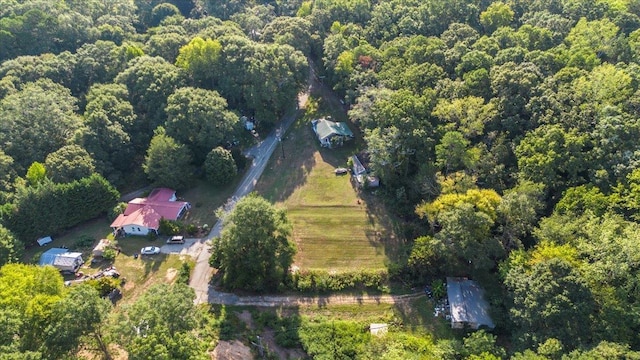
x: 143, y: 215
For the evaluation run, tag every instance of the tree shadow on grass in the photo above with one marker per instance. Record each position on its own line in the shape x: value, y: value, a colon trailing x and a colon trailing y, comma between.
x: 152, y: 263
x: 387, y: 233
x: 417, y: 315
x: 284, y: 175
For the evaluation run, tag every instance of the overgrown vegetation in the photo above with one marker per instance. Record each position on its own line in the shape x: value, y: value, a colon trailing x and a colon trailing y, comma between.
x: 504, y: 134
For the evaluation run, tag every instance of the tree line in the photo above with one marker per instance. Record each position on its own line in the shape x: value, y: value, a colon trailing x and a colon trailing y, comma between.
x: 503, y: 132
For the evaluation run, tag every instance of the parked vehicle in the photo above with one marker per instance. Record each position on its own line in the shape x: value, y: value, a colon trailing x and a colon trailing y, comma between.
x: 150, y: 250
x: 341, y: 171
x: 176, y: 240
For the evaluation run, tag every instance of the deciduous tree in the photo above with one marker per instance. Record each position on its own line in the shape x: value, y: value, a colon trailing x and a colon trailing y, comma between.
x: 200, y: 120
x: 254, y: 252
x: 168, y: 163
x: 220, y: 167
x: 69, y: 163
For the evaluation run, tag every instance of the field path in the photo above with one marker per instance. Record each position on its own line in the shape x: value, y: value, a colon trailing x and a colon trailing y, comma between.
x: 320, y: 301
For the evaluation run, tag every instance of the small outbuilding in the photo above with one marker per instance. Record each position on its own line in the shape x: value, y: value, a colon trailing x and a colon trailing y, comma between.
x: 62, y: 259
x: 68, y: 262
x: 44, y: 240
x: 467, y: 303
x: 331, y: 133
x: 361, y: 174
x: 101, y: 247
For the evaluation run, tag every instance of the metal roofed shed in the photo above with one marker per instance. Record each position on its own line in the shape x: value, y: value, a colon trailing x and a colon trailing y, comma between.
x: 468, y: 306
x: 68, y: 262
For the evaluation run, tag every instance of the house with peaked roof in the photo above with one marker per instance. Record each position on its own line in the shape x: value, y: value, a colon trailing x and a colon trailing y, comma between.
x: 331, y: 133
x: 467, y: 303
x: 143, y: 215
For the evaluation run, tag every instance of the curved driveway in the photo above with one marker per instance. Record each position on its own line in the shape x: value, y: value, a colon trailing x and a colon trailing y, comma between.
x: 200, y: 248
x: 202, y: 271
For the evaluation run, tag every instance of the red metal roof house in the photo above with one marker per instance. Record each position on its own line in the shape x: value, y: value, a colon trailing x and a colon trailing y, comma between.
x: 143, y: 215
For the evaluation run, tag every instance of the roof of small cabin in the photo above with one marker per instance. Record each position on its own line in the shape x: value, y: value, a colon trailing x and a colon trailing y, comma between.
x: 325, y: 128
x: 466, y: 299
x: 66, y: 259
x: 49, y: 256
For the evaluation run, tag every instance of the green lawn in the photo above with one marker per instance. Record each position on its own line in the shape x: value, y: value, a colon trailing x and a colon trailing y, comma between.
x: 334, y: 226
x: 205, y: 199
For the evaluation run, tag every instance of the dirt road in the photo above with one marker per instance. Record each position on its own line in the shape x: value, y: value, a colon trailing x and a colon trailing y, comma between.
x: 200, y: 248
x: 260, y: 153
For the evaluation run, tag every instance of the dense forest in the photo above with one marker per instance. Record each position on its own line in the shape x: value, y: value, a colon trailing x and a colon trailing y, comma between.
x: 504, y: 133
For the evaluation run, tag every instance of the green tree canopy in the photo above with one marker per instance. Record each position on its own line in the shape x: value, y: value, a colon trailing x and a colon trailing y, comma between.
x: 550, y: 301
x: 37, y: 120
x: 160, y: 324
x: 253, y: 251
x: 69, y: 163
x: 150, y: 81
x: 220, y: 167
x: 11, y: 248
x: 201, y: 59
x: 199, y: 119
x: 168, y: 163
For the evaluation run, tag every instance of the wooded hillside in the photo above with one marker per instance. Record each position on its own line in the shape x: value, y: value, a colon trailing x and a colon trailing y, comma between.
x: 504, y: 134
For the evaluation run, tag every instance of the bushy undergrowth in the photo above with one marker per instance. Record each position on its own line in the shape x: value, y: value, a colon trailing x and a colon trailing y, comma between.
x: 324, y: 281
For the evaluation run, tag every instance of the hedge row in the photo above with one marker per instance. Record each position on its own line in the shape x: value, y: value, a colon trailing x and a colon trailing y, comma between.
x: 324, y: 281
x: 49, y: 208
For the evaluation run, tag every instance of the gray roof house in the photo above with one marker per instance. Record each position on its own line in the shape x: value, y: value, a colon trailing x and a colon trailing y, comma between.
x: 468, y: 306
x: 331, y: 133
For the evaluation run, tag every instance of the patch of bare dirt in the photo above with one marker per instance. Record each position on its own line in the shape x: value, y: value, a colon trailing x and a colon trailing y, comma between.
x: 231, y: 350
x: 171, y: 274
x: 269, y: 341
x: 246, y: 318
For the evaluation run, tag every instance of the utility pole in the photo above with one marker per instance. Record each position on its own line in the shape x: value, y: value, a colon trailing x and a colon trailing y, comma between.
x: 281, y: 147
x: 259, y: 346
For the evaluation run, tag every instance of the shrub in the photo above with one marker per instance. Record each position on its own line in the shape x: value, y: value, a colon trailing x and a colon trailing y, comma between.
x: 109, y: 254
x: 104, y: 285
x: 323, y: 281
x: 84, y: 242
x: 192, y: 229
x: 184, y: 274
x: 35, y: 259
x: 169, y: 227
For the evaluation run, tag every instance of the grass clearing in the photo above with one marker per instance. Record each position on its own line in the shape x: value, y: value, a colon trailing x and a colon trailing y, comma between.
x: 147, y: 270
x: 205, y: 199
x: 335, y: 226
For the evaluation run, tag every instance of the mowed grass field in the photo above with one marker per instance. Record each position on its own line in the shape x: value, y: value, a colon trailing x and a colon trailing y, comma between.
x: 334, y: 227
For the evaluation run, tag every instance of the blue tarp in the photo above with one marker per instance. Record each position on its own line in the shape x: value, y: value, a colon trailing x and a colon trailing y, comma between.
x: 49, y: 256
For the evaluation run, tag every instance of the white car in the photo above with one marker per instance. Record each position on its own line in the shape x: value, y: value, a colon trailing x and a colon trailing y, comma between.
x: 150, y: 250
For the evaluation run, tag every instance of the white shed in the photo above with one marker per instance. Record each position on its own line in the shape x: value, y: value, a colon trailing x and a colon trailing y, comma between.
x: 101, y: 247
